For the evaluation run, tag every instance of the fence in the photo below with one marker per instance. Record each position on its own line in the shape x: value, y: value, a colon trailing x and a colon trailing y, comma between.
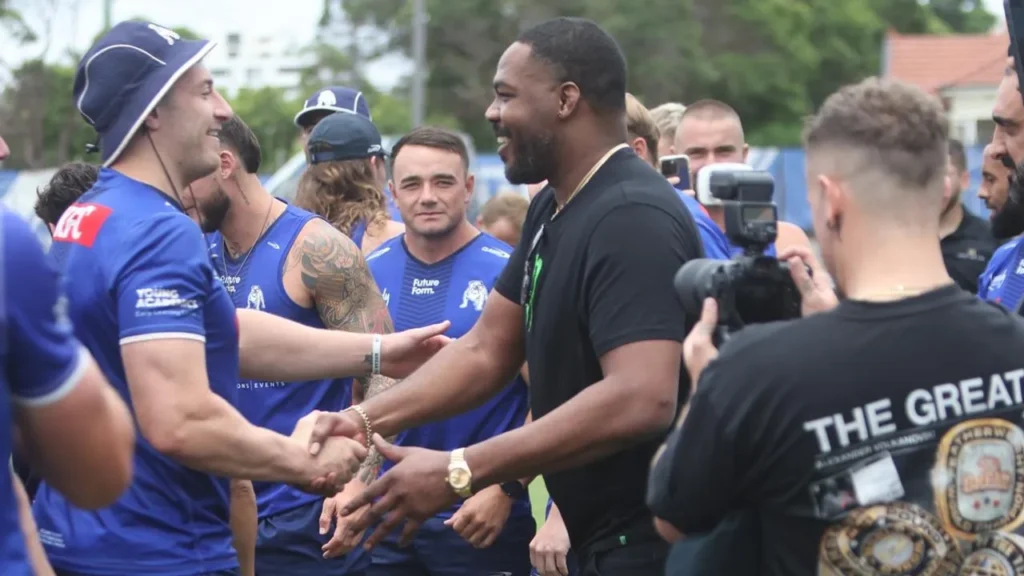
x: 18, y: 188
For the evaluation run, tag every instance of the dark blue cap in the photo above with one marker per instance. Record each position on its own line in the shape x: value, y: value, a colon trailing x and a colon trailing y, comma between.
x: 125, y: 75
x: 333, y: 99
x: 344, y: 136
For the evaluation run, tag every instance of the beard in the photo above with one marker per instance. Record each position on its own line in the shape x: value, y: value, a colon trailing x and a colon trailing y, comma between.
x: 533, y: 159
x: 213, y: 211
x: 1008, y: 221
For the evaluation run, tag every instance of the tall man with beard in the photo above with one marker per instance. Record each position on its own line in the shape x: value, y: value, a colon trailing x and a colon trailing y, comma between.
x: 144, y: 300
x: 967, y: 244
x: 286, y: 261
x: 1003, y: 278
x: 586, y: 299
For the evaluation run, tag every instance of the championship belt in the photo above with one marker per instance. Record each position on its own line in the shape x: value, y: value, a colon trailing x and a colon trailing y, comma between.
x: 995, y: 554
x: 898, y: 538
x: 978, y: 479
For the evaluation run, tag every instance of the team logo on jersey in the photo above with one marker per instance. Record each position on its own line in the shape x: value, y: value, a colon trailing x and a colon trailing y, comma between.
x: 386, y: 296
x: 995, y: 554
x: 256, y: 300
x: 978, y: 478
x: 895, y: 538
x: 80, y: 224
x: 475, y: 294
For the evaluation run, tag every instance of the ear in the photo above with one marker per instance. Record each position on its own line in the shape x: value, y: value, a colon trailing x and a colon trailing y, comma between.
x: 153, y: 119
x: 965, y: 180
x: 470, y: 187
x: 227, y: 164
x: 568, y: 99
x: 833, y: 199
x: 639, y: 146
x: 480, y: 222
x: 746, y: 150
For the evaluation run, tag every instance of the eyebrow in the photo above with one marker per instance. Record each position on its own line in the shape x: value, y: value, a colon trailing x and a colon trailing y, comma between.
x: 501, y: 84
x: 432, y: 176
x: 1004, y: 121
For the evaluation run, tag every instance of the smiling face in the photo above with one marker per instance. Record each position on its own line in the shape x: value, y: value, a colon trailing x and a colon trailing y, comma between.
x: 524, y: 113
x: 185, y: 126
x: 432, y: 190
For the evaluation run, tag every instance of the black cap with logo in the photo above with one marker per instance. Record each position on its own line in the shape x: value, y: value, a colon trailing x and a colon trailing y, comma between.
x: 344, y: 136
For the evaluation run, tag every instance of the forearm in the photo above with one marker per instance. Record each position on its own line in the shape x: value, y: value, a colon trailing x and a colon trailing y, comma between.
x: 462, y: 376
x: 276, y: 349
x: 527, y: 480
x: 602, y: 419
x: 215, y: 438
x: 244, y: 518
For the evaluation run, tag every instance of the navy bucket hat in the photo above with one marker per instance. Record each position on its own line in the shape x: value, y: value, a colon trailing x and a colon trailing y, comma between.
x: 333, y: 99
x: 125, y: 75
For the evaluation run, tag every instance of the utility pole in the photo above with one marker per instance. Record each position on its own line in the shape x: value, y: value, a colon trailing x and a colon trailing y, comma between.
x: 419, y: 55
x: 108, y: 7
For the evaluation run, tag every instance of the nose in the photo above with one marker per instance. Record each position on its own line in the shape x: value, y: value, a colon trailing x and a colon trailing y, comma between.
x: 222, y: 110
x: 492, y: 113
x: 4, y: 150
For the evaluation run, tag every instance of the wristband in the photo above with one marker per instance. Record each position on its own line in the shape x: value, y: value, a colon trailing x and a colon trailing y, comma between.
x: 366, y: 423
x: 375, y: 355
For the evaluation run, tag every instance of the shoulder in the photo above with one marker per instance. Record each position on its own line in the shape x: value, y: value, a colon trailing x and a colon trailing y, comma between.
x: 490, y: 249
x: 16, y: 230
x: 391, y: 246
x: 790, y: 235
x: 318, y: 234
x: 1002, y: 254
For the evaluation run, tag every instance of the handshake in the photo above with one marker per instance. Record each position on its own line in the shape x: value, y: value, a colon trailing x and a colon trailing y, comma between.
x: 336, y: 448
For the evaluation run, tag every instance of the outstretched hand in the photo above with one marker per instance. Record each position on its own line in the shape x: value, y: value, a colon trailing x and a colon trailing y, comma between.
x: 403, y: 352
x: 414, y: 490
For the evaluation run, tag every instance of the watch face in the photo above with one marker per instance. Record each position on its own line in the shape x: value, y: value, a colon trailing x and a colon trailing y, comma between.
x: 458, y: 478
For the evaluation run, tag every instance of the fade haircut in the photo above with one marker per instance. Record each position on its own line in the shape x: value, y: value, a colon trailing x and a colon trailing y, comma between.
x: 958, y: 156
x: 432, y: 137
x: 64, y: 188
x: 709, y: 109
x: 236, y: 135
x: 577, y: 50
x: 886, y: 139
x: 667, y: 117
x: 640, y: 124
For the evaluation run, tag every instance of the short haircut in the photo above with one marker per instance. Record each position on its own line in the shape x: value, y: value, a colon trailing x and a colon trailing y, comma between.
x: 882, y: 128
x: 958, y: 156
x: 236, y: 135
x: 507, y: 205
x: 668, y: 116
x: 579, y: 51
x: 64, y: 188
x: 640, y: 124
x: 432, y: 137
x: 709, y: 109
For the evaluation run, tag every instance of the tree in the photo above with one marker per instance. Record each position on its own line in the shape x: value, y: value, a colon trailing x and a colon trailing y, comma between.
x: 268, y: 112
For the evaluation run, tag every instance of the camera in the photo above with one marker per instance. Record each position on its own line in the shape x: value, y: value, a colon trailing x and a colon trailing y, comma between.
x: 752, y: 288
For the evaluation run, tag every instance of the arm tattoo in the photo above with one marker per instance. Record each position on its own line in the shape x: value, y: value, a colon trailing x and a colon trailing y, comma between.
x: 347, y: 298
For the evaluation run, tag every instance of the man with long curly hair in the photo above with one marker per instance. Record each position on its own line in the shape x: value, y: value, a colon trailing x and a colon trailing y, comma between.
x: 345, y: 181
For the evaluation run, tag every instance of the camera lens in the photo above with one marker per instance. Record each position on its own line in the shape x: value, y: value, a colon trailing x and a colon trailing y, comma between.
x: 694, y: 282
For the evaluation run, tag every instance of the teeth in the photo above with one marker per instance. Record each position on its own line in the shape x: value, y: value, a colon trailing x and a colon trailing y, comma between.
x: 502, y: 140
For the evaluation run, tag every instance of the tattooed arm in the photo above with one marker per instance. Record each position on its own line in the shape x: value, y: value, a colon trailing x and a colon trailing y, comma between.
x: 342, y: 288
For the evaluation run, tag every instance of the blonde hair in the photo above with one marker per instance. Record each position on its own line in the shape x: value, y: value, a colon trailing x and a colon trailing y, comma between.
x: 667, y: 117
x: 507, y: 205
x: 640, y: 124
x: 344, y: 193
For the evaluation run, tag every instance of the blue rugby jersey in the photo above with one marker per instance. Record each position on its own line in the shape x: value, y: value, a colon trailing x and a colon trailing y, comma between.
x: 455, y: 289
x: 40, y: 359
x: 256, y: 281
x: 137, y: 269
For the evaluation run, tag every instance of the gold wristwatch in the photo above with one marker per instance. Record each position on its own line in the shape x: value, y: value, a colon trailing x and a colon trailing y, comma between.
x: 460, y: 478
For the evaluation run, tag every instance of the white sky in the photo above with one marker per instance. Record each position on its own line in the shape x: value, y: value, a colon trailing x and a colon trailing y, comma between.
x: 76, y: 22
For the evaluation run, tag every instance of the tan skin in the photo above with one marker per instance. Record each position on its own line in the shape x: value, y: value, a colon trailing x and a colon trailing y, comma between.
x: 995, y: 180
x: 1008, y: 115
x: 635, y: 399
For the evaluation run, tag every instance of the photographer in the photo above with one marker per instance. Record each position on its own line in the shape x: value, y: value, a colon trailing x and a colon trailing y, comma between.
x: 851, y: 432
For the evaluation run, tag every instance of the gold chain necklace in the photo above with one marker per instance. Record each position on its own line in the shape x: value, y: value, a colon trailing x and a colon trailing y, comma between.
x: 587, y: 178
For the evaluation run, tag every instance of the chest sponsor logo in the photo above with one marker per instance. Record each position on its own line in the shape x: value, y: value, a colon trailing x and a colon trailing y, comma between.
x: 475, y: 295
x: 1020, y: 266
x: 81, y: 223
x: 256, y: 301
x: 424, y: 286
x: 971, y: 254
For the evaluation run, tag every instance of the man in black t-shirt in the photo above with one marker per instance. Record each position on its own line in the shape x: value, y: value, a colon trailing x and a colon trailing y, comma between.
x: 882, y: 436
x: 586, y: 299
x: 966, y: 241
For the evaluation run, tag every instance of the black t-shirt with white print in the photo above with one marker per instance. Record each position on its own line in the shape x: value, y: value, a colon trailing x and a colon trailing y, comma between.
x: 878, y: 438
